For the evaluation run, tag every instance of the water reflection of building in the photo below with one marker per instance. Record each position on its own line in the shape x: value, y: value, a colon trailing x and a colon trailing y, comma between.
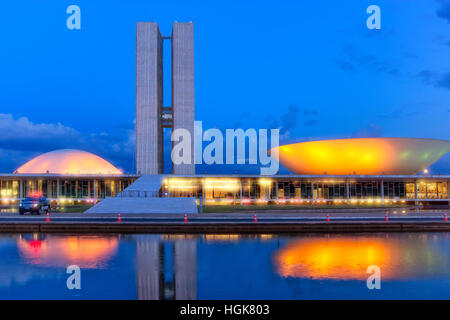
x: 234, y: 237
x: 166, y: 266
x: 347, y: 257
x: 149, y: 272
x: 162, y: 274
x: 85, y: 251
x: 185, y: 269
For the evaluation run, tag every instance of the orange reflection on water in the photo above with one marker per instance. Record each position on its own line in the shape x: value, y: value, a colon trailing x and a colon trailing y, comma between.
x: 84, y: 251
x: 348, y: 258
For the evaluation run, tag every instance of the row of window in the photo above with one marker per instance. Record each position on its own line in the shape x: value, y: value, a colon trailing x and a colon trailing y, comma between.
x: 72, y: 189
x: 253, y: 189
x: 245, y: 188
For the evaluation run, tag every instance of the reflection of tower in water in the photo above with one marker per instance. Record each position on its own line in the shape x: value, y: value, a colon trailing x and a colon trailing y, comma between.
x: 164, y: 276
x: 185, y: 269
x: 148, y: 268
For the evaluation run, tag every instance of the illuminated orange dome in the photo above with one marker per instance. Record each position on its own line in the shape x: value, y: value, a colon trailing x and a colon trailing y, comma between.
x: 84, y: 251
x: 362, y: 156
x: 68, y: 161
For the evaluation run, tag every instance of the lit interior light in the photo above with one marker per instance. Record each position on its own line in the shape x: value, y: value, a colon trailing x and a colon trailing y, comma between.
x: 6, y: 193
x: 222, y: 184
x: 265, y: 182
x: 180, y: 184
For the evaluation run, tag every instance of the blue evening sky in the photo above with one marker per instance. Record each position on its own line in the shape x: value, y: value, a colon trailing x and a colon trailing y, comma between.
x: 310, y: 68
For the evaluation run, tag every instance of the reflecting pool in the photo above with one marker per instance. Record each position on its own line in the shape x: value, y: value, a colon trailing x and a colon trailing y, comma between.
x: 232, y: 266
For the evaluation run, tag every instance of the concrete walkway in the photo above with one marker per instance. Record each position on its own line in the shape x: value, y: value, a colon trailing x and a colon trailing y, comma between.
x: 225, y: 223
x: 281, y: 215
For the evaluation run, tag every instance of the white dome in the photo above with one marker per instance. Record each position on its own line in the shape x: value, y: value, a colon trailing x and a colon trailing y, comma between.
x: 68, y: 161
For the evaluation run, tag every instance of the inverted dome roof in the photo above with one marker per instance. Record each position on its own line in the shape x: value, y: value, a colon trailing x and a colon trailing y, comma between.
x: 68, y: 161
x: 362, y: 156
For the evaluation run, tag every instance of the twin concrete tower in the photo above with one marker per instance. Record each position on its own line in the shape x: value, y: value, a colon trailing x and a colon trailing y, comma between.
x: 151, y: 115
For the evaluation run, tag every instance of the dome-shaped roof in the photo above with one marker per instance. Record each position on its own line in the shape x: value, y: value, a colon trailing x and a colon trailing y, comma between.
x: 68, y: 161
x: 363, y: 156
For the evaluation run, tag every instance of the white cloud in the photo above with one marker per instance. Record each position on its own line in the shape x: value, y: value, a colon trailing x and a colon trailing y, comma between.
x: 23, y: 128
x: 22, y: 139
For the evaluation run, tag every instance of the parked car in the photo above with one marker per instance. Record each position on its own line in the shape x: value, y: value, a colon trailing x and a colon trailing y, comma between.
x: 34, y: 205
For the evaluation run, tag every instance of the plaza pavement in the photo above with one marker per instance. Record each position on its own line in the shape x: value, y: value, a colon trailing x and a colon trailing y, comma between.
x: 281, y: 215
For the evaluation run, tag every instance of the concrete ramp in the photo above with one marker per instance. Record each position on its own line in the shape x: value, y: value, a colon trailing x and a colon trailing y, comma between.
x: 145, y: 186
x: 142, y: 196
x: 137, y: 205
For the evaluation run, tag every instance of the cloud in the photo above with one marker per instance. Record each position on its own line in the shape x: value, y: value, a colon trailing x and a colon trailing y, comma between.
x: 398, y: 113
x: 371, y: 131
x: 10, y: 160
x: 289, y: 119
x: 444, y: 81
x: 394, y: 72
x: 309, y: 112
x: 435, y: 79
x: 271, y: 123
x: 427, y: 76
x: 346, y: 66
x: 21, y: 134
x: 443, y: 10
x: 22, y: 139
x: 310, y: 123
x: 442, y: 40
x: 353, y: 61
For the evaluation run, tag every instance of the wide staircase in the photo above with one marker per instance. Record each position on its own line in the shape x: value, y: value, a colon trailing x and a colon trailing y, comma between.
x: 142, y: 197
x: 124, y: 205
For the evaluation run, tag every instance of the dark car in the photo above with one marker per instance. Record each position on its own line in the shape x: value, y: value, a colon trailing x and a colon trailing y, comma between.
x: 34, y: 205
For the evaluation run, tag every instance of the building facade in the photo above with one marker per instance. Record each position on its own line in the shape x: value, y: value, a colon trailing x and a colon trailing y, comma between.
x: 297, y: 189
x: 88, y: 188
x: 149, y: 98
x: 335, y: 166
x: 183, y: 87
x: 239, y: 189
x: 152, y: 116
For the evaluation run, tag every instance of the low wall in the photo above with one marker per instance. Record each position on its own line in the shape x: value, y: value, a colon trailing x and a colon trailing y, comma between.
x: 225, y: 228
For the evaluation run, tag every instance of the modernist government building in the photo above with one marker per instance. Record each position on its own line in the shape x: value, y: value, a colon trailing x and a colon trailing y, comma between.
x: 346, y: 171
